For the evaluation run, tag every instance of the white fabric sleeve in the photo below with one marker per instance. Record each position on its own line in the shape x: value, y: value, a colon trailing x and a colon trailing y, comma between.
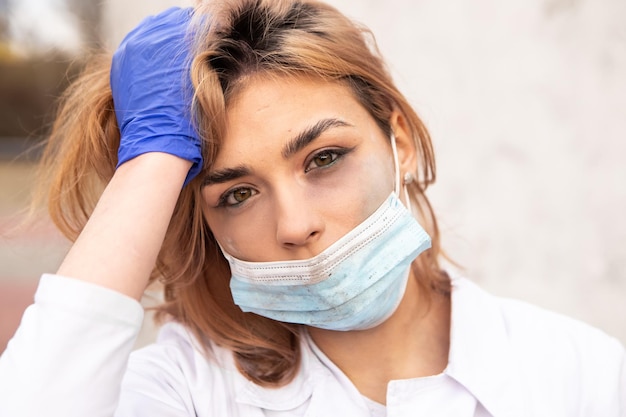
x: 69, y: 354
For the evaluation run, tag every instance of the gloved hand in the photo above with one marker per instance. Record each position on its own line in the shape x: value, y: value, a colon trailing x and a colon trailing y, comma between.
x: 152, y: 90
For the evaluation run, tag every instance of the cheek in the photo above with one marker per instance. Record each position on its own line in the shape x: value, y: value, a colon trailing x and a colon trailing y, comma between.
x: 239, y: 237
x: 216, y: 223
x: 377, y: 176
x: 356, y: 195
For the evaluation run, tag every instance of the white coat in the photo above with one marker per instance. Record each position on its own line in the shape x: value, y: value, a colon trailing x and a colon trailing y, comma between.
x: 506, y: 358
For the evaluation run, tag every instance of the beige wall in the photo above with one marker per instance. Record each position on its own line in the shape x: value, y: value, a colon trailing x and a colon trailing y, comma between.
x: 526, y: 103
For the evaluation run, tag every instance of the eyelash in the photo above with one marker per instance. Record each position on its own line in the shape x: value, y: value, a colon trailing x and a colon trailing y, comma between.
x: 335, y: 154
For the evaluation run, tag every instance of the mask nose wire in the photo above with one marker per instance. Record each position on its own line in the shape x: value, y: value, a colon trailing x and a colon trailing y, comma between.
x: 396, y: 169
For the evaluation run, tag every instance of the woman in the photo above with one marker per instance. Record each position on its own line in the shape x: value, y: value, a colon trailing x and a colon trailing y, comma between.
x: 298, y: 280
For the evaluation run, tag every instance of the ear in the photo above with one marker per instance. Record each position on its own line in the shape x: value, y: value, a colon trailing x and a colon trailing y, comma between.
x: 407, y: 150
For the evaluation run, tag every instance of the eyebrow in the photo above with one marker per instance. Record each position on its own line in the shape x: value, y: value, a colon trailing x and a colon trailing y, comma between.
x: 225, y: 175
x: 309, y: 135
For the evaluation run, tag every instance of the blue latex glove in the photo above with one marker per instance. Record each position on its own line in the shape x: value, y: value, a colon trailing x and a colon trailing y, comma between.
x: 152, y: 90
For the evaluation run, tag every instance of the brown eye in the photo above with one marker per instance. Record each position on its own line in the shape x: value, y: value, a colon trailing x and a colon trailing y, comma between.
x: 242, y: 194
x: 237, y: 196
x: 324, y: 159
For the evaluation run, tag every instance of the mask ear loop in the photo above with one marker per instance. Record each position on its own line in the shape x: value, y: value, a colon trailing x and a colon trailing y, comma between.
x: 396, y: 165
x: 408, y: 178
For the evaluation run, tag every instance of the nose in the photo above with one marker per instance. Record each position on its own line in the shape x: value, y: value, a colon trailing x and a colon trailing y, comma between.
x: 298, y: 223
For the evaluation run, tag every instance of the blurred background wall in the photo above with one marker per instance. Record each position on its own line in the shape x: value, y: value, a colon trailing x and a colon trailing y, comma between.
x: 525, y: 101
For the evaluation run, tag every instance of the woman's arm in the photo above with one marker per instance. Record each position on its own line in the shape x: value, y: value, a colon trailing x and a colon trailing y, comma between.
x: 118, y: 247
x: 70, y: 353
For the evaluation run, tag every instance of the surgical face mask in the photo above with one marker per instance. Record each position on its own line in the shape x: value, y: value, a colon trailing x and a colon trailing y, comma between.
x: 354, y: 284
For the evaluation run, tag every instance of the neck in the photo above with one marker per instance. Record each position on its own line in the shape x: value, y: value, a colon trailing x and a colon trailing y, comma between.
x: 412, y: 343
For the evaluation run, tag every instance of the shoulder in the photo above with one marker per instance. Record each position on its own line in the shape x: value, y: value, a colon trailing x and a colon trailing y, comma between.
x: 177, y: 374
x: 566, y: 358
x: 174, y: 345
x: 538, y: 330
x: 556, y: 358
x: 529, y: 325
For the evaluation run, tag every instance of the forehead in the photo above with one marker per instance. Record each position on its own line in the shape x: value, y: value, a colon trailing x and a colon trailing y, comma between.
x: 269, y: 110
x: 295, y: 98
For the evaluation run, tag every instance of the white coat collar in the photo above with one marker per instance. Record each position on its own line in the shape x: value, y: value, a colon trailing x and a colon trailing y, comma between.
x: 287, y: 397
x: 314, y: 384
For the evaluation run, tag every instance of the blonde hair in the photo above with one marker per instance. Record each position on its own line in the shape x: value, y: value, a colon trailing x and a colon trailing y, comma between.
x: 242, y: 38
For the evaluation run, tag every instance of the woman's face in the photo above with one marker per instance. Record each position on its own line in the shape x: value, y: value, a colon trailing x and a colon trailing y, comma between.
x: 302, y: 163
